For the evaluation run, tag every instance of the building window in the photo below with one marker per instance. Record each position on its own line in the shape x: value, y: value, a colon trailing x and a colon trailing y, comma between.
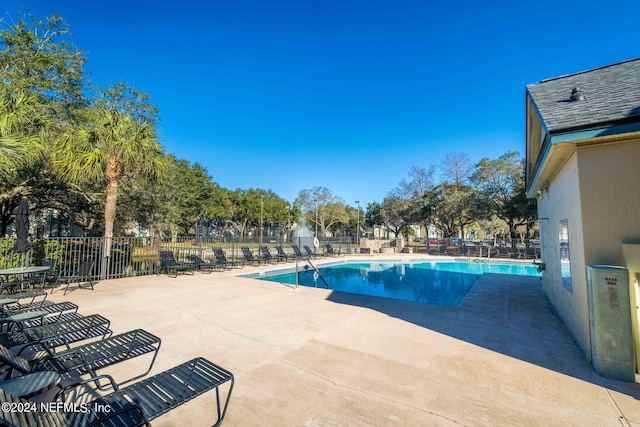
x: 565, y: 262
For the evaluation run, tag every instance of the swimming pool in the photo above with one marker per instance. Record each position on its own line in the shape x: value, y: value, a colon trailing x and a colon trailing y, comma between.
x: 440, y: 283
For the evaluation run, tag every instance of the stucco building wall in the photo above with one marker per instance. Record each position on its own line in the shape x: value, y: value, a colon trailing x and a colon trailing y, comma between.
x: 562, y: 202
x: 598, y: 192
x: 610, y: 193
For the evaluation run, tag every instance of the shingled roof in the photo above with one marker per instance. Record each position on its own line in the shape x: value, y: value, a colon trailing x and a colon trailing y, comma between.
x: 612, y: 96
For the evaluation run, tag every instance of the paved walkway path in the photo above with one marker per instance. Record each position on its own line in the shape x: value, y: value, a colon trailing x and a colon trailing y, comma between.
x: 313, y: 357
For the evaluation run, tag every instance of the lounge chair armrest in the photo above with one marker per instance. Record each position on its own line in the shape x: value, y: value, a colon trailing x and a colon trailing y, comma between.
x: 114, y: 414
x: 65, y: 389
x: 85, y: 362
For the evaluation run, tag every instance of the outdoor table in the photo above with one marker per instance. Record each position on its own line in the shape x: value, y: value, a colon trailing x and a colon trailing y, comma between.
x: 21, y: 271
x: 24, y: 270
x: 30, y: 385
x: 19, y: 319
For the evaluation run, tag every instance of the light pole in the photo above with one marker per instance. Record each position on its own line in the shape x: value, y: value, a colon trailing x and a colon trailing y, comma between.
x: 358, y: 227
x: 261, y: 216
x: 289, y: 221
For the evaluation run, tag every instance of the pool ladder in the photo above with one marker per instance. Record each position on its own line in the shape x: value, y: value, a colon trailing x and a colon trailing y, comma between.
x: 314, y: 268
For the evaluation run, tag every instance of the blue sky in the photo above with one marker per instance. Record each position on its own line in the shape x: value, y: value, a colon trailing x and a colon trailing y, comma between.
x: 348, y: 95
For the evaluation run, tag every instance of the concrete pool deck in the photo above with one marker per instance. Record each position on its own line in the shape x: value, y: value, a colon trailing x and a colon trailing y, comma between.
x: 314, y: 357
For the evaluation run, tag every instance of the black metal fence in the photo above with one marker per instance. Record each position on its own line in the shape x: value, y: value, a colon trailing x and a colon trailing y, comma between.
x: 132, y: 256
x: 136, y: 256
x: 490, y: 248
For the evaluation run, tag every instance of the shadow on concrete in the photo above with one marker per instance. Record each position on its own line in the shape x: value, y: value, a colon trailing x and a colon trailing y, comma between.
x: 507, y: 314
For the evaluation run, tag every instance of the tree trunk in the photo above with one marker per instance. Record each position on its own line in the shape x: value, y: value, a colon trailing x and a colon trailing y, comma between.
x: 428, y: 242
x: 513, y: 234
x: 110, y: 208
x: 113, y: 174
x: 3, y: 225
x: 59, y: 223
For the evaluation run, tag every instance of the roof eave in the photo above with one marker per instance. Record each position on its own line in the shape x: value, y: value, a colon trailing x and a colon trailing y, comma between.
x: 617, y: 130
x: 560, y: 147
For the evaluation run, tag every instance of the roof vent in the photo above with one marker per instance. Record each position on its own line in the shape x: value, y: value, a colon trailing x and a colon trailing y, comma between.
x: 576, y: 95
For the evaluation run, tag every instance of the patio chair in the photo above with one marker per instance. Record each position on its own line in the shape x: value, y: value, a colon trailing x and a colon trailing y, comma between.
x: 310, y: 253
x: 134, y: 405
x: 81, y: 276
x: 248, y: 256
x: 452, y: 250
x: 471, y: 250
x: 88, y: 358
x: 266, y: 255
x: 202, y: 265
x: 9, y: 286
x: 222, y: 258
x: 297, y: 252
x: 39, y: 280
x: 489, y: 252
x: 504, y: 252
x: 330, y: 251
x: 51, y: 335
x: 529, y: 253
x: 168, y: 264
x: 282, y: 255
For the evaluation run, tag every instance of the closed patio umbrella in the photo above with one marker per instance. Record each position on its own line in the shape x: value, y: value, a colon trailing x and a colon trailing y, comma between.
x: 22, y: 213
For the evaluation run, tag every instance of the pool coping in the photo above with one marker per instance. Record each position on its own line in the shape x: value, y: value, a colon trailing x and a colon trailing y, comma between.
x: 328, y: 263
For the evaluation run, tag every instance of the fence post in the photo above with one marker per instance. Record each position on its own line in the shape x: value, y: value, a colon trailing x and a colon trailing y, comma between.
x: 156, y: 270
x: 104, y: 257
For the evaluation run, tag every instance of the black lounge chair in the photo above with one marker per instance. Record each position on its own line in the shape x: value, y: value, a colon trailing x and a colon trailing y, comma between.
x: 90, y: 357
x: 248, y: 256
x: 168, y: 264
x: 330, y: 251
x: 202, y: 265
x: 266, y: 255
x: 310, y: 253
x: 81, y: 276
x: 222, y: 258
x: 52, y: 335
x: 34, y: 314
x: 22, y: 295
x: 134, y: 405
x: 282, y: 255
x: 297, y: 252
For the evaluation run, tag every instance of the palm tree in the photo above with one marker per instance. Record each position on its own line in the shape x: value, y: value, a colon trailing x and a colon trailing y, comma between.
x: 23, y: 126
x: 112, y: 147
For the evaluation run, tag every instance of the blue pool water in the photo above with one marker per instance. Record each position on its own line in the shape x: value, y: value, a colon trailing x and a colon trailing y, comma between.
x: 440, y: 283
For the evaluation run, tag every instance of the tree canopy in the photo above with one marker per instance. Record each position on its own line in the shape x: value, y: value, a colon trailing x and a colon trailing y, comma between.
x: 89, y: 155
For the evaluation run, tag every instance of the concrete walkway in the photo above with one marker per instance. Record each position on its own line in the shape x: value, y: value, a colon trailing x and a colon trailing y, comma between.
x: 313, y: 357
